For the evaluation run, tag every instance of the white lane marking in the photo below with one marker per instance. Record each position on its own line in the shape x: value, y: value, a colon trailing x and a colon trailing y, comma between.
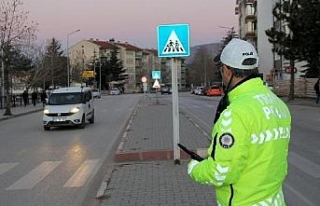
x: 88, y: 168
x: 4, y: 167
x: 304, y: 164
x: 35, y: 176
x: 298, y: 196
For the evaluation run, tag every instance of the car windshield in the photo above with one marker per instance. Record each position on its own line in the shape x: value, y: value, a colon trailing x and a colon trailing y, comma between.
x: 65, y: 98
x: 215, y: 87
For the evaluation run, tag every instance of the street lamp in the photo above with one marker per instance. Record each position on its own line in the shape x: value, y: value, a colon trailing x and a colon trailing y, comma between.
x: 2, y: 78
x: 99, y: 72
x: 68, y: 62
x: 229, y: 28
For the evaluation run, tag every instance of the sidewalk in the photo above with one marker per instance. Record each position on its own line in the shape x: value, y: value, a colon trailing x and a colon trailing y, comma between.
x: 21, y: 110
x: 143, y: 171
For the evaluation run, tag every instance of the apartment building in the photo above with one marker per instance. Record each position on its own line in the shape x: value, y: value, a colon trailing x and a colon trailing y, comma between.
x: 150, y: 62
x: 137, y: 62
x: 166, y: 70
x: 255, y: 17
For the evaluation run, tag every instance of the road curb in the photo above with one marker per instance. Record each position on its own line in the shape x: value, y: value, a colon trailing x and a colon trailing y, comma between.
x: 21, y: 114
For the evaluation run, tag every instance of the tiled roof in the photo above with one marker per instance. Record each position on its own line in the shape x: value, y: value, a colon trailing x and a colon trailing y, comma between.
x: 153, y: 51
x: 128, y: 46
x: 105, y: 44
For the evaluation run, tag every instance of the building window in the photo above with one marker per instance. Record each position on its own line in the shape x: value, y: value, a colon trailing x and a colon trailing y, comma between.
x: 130, y: 70
x: 129, y: 52
x: 250, y: 10
x: 129, y: 61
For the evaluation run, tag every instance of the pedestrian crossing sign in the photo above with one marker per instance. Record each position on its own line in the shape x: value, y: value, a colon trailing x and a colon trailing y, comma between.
x: 156, y: 74
x: 156, y: 84
x: 173, y: 40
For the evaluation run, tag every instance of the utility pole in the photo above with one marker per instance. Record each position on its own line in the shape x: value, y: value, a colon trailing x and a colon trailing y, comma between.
x: 205, y: 70
x: 2, y: 76
x: 68, y: 61
x: 99, y: 72
x: 81, y: 75
x: 94, y: 68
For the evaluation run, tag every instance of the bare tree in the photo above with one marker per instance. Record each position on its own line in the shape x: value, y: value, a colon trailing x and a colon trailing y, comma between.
x: 15, y: 29
x: 40, y: 73
x: 77, y: 67
x: 202, y: 70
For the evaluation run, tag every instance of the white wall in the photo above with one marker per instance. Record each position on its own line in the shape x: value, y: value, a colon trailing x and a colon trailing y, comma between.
x: 265, y: 21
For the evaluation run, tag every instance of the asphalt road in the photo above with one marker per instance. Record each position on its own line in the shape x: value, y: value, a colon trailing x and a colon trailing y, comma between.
x: 65, y: 166
x: 62, y: 166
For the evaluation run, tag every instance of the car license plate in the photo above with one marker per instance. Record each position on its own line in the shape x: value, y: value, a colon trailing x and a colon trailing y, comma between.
x: 59, y: 119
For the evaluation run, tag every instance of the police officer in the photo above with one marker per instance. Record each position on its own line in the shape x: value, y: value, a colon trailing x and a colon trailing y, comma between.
x: 247, y: 158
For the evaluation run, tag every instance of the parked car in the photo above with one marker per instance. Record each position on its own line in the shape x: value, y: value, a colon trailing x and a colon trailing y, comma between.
x: 214, y: 91
x: 199, y: 91
x: 165, y: 89
x: 96, y: 93
x: 114, y: 91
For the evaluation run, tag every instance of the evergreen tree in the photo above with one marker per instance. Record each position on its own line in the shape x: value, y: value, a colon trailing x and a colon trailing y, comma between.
x: 21, y: 66
x: 56, y: 63
x: 287, y: 42
x: 115, y: 67
x: 307, y: 27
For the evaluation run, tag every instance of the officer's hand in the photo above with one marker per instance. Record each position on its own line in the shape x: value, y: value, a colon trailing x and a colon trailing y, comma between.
x: 191, y: 165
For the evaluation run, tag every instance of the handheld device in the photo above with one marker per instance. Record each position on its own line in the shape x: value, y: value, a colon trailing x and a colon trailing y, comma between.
x: 192, y: 154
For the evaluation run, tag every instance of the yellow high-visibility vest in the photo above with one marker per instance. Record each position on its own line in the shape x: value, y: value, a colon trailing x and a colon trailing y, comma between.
x: 247, y: 161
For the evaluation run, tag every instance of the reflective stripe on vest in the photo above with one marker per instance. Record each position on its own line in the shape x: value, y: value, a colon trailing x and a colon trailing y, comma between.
x: 276, y: 200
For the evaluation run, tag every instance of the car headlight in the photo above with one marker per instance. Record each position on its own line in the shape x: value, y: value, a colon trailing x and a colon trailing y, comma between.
x: 46, y: 111
x: 74, y: 110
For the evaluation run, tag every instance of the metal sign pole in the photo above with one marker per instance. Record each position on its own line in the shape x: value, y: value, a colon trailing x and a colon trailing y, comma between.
x: 175, y: 112
x: 173, y: 41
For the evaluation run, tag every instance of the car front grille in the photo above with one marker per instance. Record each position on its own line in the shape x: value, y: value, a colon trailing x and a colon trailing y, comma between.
x: 59, y: 114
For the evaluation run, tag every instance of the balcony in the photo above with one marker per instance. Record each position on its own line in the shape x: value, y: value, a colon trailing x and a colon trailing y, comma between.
x: 250, y: 17
x: 250, y: 1
x: 250, y: 34
x: 138, y: 56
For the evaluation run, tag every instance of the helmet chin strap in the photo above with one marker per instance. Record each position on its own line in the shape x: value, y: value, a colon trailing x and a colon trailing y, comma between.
x: 228, y: 85
x: 224, y: 101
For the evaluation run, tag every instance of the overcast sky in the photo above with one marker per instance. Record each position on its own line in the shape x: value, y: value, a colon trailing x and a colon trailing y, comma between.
x: 134, y: 21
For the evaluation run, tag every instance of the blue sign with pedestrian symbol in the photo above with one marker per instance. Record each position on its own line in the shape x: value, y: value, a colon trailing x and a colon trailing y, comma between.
x: 173, y: 40
x: 156, y: 74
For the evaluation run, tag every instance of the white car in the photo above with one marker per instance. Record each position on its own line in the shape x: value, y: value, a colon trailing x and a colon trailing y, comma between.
x: 71, y: 106
x: 96, y: 93
x: 199, y: 91
x: 115, y: 91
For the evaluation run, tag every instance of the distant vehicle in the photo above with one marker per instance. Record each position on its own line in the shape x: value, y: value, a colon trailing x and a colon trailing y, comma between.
x: 71, y: 106
x: 114, y: 91
x: 199, y: 91
x: 96, y: 93
x: 214, y: 91
x: 193, y: 89
x: 165, y: 89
